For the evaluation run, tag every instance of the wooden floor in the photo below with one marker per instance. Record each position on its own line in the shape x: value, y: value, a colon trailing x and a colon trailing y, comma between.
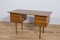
x: 30, y: 32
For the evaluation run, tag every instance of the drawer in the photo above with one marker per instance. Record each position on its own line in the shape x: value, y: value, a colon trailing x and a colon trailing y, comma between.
x: 40, y: 21
x: 17, y: 17
x: 40, y: 24
x: 40, y: 17
x: 16, y: 20
x: 14, y: 15
x: 24, y: 16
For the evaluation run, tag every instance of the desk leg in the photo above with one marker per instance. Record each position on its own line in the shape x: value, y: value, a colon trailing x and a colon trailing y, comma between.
x: 39, y: 32
x: 43, y: 29
x: 16, y: 27
x: 22, y: 26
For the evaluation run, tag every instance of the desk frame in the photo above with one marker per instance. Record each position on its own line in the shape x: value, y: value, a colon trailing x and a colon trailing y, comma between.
x: 25, y: 12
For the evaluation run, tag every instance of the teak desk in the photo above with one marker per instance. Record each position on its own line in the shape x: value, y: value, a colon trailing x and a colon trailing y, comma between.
x: 41, y: 18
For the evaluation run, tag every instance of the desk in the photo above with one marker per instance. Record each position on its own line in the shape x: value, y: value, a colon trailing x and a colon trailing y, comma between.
x: 41, y: 18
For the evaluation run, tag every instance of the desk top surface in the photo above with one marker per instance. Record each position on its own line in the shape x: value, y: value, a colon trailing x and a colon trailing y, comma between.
x: 31, y: 12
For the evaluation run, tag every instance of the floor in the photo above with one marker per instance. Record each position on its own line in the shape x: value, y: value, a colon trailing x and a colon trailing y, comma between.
x: 30, y: 32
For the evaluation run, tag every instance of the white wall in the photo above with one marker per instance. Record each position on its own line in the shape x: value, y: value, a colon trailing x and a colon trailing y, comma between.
x: 43, y: 5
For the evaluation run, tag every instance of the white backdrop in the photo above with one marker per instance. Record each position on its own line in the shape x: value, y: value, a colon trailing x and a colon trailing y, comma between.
x: 42, y: 5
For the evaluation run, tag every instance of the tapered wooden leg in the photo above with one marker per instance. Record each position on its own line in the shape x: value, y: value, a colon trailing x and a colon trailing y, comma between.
x: 16, y: 27
x: 22, y: 26
x: 43, y: 29
x: 39, y: 32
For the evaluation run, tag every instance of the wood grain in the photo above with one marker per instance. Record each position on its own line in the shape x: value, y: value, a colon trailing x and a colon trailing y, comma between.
x: 40, y: 20
x: 18, y: 18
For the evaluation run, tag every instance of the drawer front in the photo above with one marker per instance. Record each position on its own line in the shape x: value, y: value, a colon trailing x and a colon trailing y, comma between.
x: 40, y: 18
x: 13, y: 15
x: 40, y: 21
x: 40, y: 24
x: 15, y: 18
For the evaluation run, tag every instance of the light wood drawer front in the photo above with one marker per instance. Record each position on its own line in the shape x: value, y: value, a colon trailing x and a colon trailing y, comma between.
x: 40, y: 17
